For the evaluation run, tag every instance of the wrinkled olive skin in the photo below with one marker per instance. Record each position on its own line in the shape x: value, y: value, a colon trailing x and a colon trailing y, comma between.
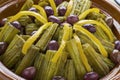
x: 29, y: 73
x: 91, y: 76
x: 115, y: 56
x: 3, y: 47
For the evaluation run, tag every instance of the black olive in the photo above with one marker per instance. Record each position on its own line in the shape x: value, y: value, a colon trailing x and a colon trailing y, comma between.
x: 3, y: 47
x: 62, y: 10
x: 58, y: 78
x: 91, y: 28
x: 29, y: 73
x: 53, y: 45
x: 91, y: 76
x: 115, y: 56
x: 72, y: 19
x: 54, y: 19
x: 49, y: 11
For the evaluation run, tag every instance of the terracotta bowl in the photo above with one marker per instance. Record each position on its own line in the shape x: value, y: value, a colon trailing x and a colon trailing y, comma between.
x: 105, y: 5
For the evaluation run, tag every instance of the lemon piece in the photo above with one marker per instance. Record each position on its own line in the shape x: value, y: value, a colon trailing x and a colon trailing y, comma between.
x: 22, y: 13
x: 104, y: 28
x: 65, y: 37
x: 93, y: 38
x: 31, y: 40
x: 85, y: 13
x: 69, y: 8
x: 42, y: 11
x: 53, y: 5
x: 82, y: 55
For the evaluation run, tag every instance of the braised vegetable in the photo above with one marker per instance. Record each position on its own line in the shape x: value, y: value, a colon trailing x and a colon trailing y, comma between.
x: 58, y: 40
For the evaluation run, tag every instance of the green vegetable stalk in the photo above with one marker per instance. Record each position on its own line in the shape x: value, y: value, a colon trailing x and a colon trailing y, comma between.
x: 57, y: 33
x: 95, y: 60
x: 107, y: 45
x: 34, y: 37
x: 46, y: 37
x: 13, y: 53
x: 100, y: 34
x: 28, y: 59
x: 60, y: 35
x: 56, y: 68
x: 8, y: 33
x: 70, y: 73
x: 75, y: 55
x: 25, y: 37
x: 95, y: 16
x: 104, y: 23
x: 30, y: 28
x: 60, y: 64
x: 25, y: 20
x: 80, y: 6
x: 110, y: 64
x: 39, y: 62
x: 46, y: 64
x: 84, y: 39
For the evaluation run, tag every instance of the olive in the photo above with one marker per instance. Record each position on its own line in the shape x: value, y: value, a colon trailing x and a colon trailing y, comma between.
x: 117, y: 45
x: 109, y: 21
x: 33, y: 9
x: 115, y: 56
x: 53, y: 45
x: 72, y: 19
x: 91, y: 76
x: 2, y: 22
x: 62, y: 10
x: 29, y: 73
x: 54, y: 19
x: 58, y: 78
x: 17, y: 25
x: 33, y: 33
x: 57, y: 2
x: 49, y: 11
x: 3, y: 47
x: 91, y: 28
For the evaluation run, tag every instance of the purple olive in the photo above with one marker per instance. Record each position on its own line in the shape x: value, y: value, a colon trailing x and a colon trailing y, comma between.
x: 33, y: 9
x: 117, y: 45
x: 3, y: 47
x: 17, y: 25
x: 29, y: 73
x: 53, y: 45
x: 33, y: 33
x: 2, y: 22
x: 91, y: 28
x: 57, y: 2
x: 54, y: 19
x: 109, y: 21
x: 49, y: 11
x: 91, y: 76
x: 62, y: 10
x: 115, y: 56
x: 58, y: 78
x: 72, y: 19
